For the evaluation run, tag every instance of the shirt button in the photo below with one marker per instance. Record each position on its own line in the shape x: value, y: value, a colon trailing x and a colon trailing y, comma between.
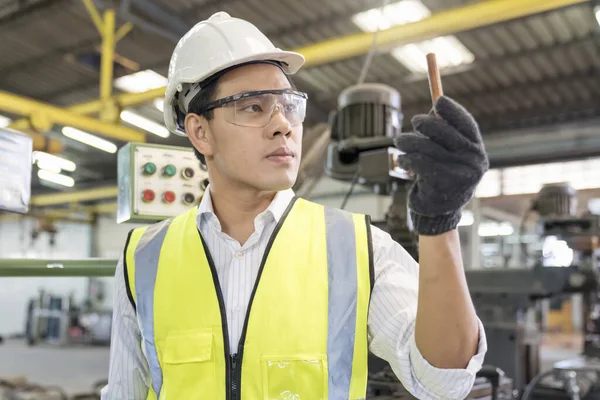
x: 239, y: 254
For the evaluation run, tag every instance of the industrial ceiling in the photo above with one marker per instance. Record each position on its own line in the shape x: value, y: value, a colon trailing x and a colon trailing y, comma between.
x: 527, y: 72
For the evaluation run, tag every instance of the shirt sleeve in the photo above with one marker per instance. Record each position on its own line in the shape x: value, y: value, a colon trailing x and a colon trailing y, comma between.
x: 391, y: 327
x: 128, y: 376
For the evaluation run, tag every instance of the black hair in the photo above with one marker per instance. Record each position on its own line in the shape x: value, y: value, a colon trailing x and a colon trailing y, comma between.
x: 203, y: 97
x: 207, y: 95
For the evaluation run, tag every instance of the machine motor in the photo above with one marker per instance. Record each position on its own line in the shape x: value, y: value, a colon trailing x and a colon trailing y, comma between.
x: 363, y: 127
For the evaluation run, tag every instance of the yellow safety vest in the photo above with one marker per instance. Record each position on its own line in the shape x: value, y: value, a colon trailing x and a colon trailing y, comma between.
x: 305, y: 333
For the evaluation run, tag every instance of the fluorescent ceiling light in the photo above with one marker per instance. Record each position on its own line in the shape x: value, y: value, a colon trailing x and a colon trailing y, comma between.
x: 159, y: 104
x: 144, y: 123
x: 449, y: 51
x: 56, y: 178
x: 597, y: 11
x: 48, y: 166
x: 89, y: 139
x: 141, y: 81
x: 4, y: 121
x: 400, y: 13
x: 59, y: 162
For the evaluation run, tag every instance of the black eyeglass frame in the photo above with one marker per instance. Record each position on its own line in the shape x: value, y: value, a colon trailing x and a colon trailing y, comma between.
x: 229, y: 99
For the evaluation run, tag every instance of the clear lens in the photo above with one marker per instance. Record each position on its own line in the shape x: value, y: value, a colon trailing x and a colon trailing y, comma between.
x: 257, y: 111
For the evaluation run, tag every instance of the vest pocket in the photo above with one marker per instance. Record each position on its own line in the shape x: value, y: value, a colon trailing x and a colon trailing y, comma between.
x: 189, y: 365
x: 294, y: 377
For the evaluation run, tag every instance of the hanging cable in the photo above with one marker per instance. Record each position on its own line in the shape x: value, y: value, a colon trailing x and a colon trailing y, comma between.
x: 373, y: 49
x: 361, y: 79
x: 354, y: 180
x: 529, y: 389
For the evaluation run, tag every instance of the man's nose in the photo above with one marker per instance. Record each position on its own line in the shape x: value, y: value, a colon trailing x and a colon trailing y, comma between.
x: 279, y: 124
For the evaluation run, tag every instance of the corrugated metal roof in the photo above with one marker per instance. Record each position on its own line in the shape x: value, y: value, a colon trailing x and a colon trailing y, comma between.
x: 527, y: 71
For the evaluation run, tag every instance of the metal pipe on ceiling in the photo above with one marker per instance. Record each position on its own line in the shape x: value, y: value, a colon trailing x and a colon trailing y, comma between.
x: 55, y: 268
x: 108, y: 112
x: 167, y: 28
x: 443, y: 23
x: 446, y: 22
x: 108, y: 56
x: 77, y: 214
x: 77, y: 196
x: 46, y: 144
x: 95, y: 106
x: 42, y: 116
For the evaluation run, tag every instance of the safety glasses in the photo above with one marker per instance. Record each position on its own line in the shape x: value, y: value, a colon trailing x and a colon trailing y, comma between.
x: 255, y: 109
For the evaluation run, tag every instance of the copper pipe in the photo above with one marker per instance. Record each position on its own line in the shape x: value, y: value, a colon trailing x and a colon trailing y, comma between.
x: 435, y: 82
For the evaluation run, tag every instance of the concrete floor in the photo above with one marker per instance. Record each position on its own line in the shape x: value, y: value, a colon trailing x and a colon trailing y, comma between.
x: 75, y: 369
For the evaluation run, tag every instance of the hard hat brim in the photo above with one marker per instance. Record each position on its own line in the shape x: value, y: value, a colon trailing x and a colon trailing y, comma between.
x: 290, y: 61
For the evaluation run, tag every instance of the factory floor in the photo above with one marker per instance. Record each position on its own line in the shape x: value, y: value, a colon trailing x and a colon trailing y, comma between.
x: 77, y: 369
x: 74, y: 369
x: 559, y: 346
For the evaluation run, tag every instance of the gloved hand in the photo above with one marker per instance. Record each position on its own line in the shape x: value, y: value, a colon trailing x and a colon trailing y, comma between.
x: 448, y: 159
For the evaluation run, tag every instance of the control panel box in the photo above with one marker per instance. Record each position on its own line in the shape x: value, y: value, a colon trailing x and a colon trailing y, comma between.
x: 15, y: 171
x: 157, y: 182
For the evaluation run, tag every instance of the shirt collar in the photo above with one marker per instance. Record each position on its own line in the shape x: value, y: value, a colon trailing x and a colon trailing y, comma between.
x: 276, y: 208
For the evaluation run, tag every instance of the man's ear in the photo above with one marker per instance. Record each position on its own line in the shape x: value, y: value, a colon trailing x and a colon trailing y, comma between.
x: 198, y: 131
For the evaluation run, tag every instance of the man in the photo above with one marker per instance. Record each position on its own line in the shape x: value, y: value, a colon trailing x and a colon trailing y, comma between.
x: 256, y: 294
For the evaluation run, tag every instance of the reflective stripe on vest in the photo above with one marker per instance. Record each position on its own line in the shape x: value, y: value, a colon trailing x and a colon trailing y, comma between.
x: 306, y: 332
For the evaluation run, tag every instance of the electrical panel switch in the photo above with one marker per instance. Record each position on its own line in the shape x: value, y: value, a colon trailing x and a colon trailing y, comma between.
x: 157, y: 182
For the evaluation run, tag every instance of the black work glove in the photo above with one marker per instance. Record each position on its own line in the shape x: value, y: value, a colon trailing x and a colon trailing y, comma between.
x: 448, y: 159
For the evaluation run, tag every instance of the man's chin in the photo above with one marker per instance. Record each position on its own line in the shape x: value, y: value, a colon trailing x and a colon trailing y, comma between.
x: 278, y: 185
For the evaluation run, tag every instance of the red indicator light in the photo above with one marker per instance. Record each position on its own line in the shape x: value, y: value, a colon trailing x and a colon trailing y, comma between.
x: 169, y: 197
x: 148, y: 195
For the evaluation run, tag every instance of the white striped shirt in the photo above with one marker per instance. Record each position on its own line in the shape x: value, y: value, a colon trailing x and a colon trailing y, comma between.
x: 391, y: 321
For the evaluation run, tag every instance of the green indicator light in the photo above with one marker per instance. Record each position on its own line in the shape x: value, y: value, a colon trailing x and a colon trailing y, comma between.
x: 170, y: 170
x: 149, y: 168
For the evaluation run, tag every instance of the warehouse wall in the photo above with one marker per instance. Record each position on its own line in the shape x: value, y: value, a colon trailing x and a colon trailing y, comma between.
x: 72, y: 241
x: 112, y: 236
x: 110, y: 241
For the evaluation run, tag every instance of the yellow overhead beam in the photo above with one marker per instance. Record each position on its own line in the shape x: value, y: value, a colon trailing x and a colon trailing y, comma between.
x: 40, y: 200
x: 71, y: 215
x: 443, y: 23
x: 123, y: 31
x: 43, y: 116
x: 106, y: 107
x: 122, y: 100
x: 94, y: 14
x: 59, y: 216
x: 75, y: 212
x: 95, y: 106
x: 104, y: 208
x: 108, y: 55
x: 46, y: 144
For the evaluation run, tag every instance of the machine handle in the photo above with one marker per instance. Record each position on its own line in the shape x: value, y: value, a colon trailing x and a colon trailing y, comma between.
x: 493, y: 375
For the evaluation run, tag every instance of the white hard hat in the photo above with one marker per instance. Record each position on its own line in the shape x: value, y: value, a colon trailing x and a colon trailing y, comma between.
x: 210, y: 47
